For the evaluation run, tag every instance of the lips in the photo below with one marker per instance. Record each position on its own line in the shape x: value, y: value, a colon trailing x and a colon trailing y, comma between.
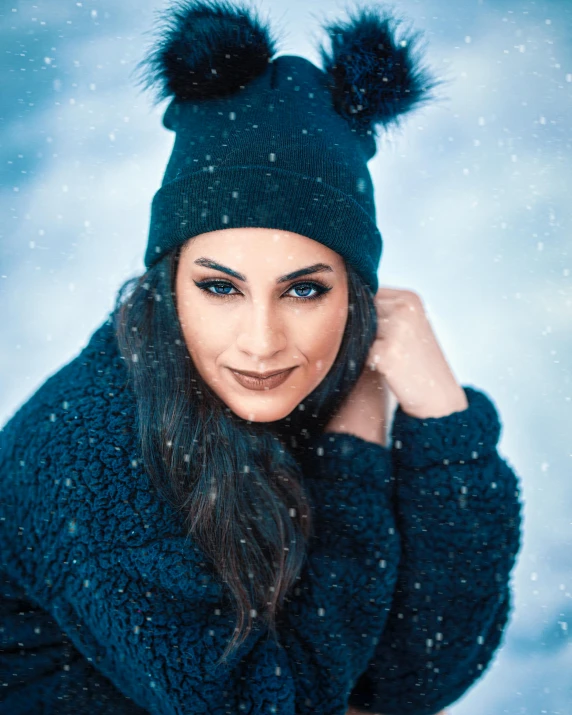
x: 257, y: 383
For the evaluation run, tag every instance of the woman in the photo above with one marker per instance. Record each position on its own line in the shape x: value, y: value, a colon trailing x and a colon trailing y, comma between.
x: 181, y: 537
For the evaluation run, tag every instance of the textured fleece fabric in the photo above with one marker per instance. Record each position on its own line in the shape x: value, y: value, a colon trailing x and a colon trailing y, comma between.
x: 106, y: 607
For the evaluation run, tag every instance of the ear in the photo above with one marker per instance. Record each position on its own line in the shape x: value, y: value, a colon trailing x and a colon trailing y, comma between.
x: 206, y: 49
x: 374, y: 77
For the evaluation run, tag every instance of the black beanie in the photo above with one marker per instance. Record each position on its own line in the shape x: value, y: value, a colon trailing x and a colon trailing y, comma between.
x: 277, y: 143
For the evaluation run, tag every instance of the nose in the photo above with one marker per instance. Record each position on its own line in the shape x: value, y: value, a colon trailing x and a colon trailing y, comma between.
x: 261, y: 334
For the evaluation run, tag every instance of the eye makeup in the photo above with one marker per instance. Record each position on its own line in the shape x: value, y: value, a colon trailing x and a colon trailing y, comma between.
x: 321, y: 288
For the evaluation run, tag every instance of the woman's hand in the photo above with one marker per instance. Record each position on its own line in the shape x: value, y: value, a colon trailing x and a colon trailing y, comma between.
x: 407, y: 353
x: 406, y: 365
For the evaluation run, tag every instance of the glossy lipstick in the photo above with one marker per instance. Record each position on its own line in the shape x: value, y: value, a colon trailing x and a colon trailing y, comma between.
x: 267, y: 383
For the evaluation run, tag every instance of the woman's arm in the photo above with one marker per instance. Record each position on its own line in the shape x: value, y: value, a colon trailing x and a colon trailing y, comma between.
x: 365, y: 411
x: 458, y: 513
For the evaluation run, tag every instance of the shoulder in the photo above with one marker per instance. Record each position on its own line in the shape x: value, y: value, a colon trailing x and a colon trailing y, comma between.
x: 83, y: 392
x: 73, y: 483
x: 74, y: 433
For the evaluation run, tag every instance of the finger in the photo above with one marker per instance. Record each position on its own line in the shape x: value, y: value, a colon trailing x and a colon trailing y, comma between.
x: 389, y: 307
x: 387, y: 291
x: 397, y: 299
x: 386, y: 306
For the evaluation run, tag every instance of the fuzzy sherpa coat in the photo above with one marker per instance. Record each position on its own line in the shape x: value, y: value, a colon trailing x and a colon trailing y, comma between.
x: 105, y: 607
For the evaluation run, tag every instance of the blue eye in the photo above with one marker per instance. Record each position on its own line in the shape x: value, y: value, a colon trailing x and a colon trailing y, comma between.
x: 219, y: 285
x: 307, y: 286
x: 319, y: 288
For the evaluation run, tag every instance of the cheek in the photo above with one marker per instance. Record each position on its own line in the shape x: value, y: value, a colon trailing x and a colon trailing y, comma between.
x: 204, y: 336
x: 322, y: 335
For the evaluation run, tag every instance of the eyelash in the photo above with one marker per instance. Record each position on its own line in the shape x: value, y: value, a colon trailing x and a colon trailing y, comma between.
x: 321, y: 287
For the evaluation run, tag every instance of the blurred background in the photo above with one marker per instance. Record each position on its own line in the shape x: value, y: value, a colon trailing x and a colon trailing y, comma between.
x: 472, y: 201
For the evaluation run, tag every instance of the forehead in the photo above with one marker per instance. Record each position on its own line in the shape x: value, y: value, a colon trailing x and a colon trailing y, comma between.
x: 260, y: 246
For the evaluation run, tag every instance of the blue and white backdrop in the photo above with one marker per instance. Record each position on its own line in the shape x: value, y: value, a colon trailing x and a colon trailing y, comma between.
x: 473, y: 201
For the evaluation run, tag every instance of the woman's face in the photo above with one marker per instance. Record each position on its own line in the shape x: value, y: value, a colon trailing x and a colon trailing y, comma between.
x: 240, y: 308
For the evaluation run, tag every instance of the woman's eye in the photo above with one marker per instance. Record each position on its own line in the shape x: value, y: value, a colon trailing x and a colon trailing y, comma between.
x: 306, y: 289
x: 224, y: 286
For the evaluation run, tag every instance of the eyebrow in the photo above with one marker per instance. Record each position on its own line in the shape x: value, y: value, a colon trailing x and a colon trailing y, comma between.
x: 315, y: 268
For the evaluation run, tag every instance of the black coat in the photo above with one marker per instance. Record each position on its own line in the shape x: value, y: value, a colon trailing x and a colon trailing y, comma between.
x: 106, y: 607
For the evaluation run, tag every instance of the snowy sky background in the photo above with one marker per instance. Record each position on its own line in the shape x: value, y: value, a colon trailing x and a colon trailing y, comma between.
x: 472, y: 201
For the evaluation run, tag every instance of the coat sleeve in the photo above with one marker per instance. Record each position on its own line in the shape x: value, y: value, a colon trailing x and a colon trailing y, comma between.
x: 459, y: 515
x: 40, y: 669
x: 83, y: 538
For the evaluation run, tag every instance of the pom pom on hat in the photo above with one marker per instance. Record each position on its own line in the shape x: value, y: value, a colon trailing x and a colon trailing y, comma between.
x: 374, y: 77
x: 206, y: 49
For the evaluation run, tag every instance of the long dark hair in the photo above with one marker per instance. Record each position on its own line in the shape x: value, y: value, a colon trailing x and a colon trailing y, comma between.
x: 237, y: 483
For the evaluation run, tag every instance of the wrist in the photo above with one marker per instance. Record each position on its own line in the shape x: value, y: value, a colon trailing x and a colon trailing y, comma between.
x: 459, y: 436
x: 444, y: 403
x: 368, y: 431
x: 364, y: 412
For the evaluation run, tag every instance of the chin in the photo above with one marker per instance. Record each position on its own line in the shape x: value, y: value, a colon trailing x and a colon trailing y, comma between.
x: 262, y: 412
